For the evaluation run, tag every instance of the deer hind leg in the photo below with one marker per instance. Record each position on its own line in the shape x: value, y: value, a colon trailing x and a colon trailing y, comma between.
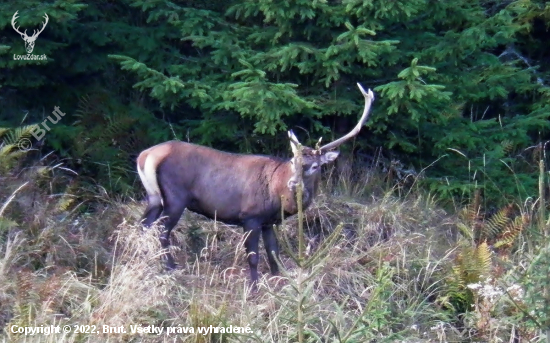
x: 174, y: 205
x: 252, y: 229
x: 172, y: 214
x: 153, y: 210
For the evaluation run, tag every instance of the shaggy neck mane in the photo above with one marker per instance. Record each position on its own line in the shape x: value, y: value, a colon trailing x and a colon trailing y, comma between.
x: 281, y: 174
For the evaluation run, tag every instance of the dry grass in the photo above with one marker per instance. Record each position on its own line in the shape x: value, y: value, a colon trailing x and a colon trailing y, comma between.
x: 382, y: 279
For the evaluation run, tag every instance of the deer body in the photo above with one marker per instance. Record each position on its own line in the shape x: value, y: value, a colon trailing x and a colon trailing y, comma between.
x: 246, y: 190
x: 231, y: 188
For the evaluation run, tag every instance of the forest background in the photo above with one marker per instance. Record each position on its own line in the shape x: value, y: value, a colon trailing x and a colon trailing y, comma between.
x: 461, y: 87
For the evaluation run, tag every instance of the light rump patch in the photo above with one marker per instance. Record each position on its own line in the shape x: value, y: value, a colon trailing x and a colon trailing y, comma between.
x: 148, y: 162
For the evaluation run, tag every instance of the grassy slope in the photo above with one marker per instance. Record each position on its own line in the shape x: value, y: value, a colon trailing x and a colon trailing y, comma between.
x: 385, y: 278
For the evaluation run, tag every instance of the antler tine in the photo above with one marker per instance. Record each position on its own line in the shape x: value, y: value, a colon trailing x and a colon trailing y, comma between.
x: 369, y: 98
x: 13, y: 22
x: 293, y: 138
x: 318, y: 144
x: 43, y: 26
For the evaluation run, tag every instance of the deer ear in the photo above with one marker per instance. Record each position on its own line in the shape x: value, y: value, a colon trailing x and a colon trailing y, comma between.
x: 329, y: 156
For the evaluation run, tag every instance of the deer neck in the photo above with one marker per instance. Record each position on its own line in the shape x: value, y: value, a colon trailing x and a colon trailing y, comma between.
x: 289, y: 203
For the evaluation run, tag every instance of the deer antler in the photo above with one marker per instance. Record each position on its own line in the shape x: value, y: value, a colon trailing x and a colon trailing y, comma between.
x: 13, y: 20
x: 43, y: 26
x: 369, y: 98
x: 293, y: 138
x: 35, y: 34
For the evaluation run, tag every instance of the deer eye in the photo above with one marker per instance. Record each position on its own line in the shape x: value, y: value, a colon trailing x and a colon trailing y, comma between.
x: 312, y: 169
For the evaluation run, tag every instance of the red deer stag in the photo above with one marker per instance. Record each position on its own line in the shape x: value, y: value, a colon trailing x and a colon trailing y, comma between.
x: 245, y: 190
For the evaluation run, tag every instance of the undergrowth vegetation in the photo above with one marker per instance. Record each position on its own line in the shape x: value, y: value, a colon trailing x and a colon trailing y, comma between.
x: 377, y: 265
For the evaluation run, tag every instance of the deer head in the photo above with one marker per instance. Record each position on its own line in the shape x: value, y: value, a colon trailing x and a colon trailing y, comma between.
x: 312, y: 159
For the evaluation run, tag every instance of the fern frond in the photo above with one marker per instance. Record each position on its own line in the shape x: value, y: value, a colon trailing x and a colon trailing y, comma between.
x: 24, y: 310
x: 472, y: 263
x: 17, y: 134
x: 68, y: 200
x: 3, y: 131
x: 482, y: 258
x: 497, y: 223
x: 471, y: 214
x: 466, y: 231
x: 7, y: 149
x: 514, y: 228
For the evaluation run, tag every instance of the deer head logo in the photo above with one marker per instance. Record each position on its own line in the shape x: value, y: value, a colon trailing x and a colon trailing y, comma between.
x: 29, y: 41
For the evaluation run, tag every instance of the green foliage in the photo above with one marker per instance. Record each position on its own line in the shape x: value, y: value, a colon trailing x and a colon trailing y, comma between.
x: 537, y: 298
x: 471, y: 76
x: 276, y: 65
x: 105, y: 139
